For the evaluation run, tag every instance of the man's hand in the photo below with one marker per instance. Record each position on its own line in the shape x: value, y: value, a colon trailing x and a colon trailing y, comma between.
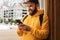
x: 24, y: 27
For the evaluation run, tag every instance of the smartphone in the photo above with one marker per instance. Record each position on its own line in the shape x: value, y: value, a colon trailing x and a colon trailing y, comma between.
x: 18, y: 21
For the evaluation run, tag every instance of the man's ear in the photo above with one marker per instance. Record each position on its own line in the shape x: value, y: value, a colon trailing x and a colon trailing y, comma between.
x: 37, y: 5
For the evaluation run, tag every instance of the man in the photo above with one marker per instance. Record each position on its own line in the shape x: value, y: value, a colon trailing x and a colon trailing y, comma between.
x: 31, y: 28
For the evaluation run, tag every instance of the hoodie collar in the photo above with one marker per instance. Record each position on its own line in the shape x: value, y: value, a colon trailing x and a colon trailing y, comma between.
x: 39, y: 12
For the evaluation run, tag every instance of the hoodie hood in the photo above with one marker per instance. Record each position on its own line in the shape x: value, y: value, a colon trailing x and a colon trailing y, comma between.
x: 39, y: 12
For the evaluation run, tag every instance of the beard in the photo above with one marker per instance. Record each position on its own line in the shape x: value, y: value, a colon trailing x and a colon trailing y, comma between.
x: 32, y: 12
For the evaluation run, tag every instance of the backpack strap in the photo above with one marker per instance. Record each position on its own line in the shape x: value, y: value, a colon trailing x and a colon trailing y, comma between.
x: 41, y: 19
x: 25, y: 17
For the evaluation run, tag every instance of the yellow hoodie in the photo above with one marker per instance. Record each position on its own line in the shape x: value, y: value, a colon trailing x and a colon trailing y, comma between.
x: 37, y: 32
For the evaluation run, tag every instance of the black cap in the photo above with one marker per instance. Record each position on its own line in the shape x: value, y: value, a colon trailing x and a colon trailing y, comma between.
x: 33, y: 1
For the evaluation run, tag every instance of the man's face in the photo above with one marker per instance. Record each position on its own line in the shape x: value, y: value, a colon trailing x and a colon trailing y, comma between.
x: 32, y: 9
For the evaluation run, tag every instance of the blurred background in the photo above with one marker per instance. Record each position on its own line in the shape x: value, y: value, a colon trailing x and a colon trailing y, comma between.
x: 10, y: 12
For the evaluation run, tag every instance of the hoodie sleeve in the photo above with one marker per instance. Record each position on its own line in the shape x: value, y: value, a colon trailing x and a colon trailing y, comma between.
x: 43, y: 32
x: 19, y: 32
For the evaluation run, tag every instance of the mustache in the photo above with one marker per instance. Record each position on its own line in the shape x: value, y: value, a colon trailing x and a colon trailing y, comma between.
x: 33, y: 11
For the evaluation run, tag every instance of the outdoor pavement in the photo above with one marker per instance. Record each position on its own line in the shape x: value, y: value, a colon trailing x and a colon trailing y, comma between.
x: 8, y: 33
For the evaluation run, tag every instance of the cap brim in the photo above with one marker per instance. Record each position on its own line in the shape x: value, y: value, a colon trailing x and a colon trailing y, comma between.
x: 26, y: 2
